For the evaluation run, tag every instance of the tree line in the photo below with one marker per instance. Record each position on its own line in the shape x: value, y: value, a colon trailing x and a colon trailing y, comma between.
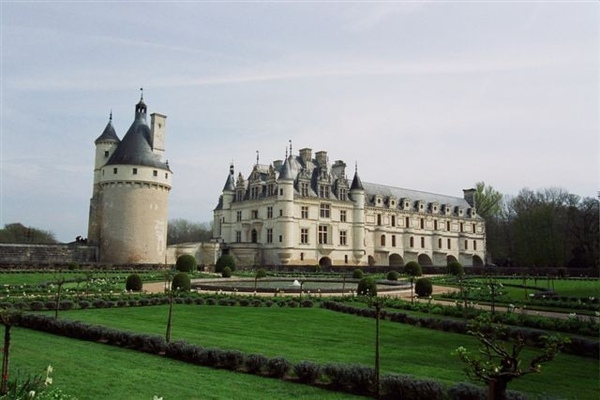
x: 544, y: 228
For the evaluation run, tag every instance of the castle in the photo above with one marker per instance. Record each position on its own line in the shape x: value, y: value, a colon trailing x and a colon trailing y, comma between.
x: 128, y: 209
x: 305, y: 211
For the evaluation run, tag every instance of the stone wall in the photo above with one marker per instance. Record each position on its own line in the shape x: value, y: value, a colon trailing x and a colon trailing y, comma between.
x: 44, y: 254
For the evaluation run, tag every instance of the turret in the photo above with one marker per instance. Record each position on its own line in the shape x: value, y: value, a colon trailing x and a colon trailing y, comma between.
x: 286, y: 198
x: 357, y: 194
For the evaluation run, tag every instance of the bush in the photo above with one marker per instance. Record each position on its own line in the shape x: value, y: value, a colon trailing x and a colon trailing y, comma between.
x: 392, y: 276
x: 73, y: 266
x: 181, y: 281
x: 186, y: 263
x: 255, y: 363
x: 358, y: 274
x: 261, y: 273
x: 226, y: 273
x: 307, y: 371
x: 407, y: 387
x: 278, y: 367
x: 225, y: 260
x: 455, y: 268
x: 413, y: 268
x: 133, y: 283
x: 367, y: 287
x: 423, y: 287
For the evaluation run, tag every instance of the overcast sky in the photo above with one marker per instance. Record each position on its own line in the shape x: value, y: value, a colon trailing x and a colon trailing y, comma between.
x: 427, y: 96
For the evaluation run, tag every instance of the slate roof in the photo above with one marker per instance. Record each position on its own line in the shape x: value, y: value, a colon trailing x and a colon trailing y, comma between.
x: 136, y: 148
x: 108, y: 134
x: 374, y: 189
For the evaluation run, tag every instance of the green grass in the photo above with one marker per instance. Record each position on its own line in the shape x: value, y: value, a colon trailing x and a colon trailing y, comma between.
x: 95, y: 371
x: 324, y: 336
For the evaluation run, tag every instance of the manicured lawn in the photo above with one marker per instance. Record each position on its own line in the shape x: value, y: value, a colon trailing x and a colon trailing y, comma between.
x: 325, y: 336
x: 95, y: 371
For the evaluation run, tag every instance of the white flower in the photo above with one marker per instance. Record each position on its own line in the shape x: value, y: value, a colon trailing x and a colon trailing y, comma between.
x: 49, y: 369
x: 157, y: 398
x: 31, y: 394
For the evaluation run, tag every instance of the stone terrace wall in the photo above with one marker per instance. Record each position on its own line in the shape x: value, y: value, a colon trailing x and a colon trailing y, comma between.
x: 47, y: 254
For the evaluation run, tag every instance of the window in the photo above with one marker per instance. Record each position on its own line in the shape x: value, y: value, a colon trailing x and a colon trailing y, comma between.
x: 466, y: 245
x: 422, y: 223
x: 345, y: 258
x: 304, y: 212
x: 462, y: 227
x: 269, y: 212
x: 301, y: 256
x: 281, y: 192
x: 393, y: 220
x: 239, y: 196
x: 474, y: 230
x: 393, y: 240
x: 474, y: 244
x: 254, y: 235
x: 342, y: 215
x: 269, y: 235
x: 435, y: 226
x: 343, y: 238
x: 238, y: 236
x: 325, y: 210
x: 271, y: 190
x: 343, y: 195
x: 304, y: 235
x: 281, y: 213
x: 422, y: 242
x: 135, y: 171
x: 304, y: 189
x: 448, y: 226
x: 254, y: 214
x: 238, y: 216
x: 440, y: 243
x: 378, y: 219
x: 254, y: 192
x: 407, y: 222
x: 324, y: 191
x: 412, y: 241
x: 115, y: 170
x: 322, y: 234
x: 106, y: 154
x: 155, y: 173
x: 280, y: 238
x: 383, y: 240
x: 166, y: 175
x: 449, y: 244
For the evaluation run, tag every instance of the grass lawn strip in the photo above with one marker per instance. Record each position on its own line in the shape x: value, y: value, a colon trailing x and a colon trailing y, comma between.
x: 95, y: 371
x: 324, y: 336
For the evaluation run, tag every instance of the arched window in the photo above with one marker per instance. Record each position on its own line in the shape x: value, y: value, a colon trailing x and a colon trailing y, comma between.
x: 254, y: 236
x: 383, y: 240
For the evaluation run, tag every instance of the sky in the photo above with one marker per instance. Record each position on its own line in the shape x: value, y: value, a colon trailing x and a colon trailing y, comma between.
x: 430, y: 96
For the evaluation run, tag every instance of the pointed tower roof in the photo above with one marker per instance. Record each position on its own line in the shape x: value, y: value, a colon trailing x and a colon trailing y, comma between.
x: 230, y: 182
x: 109, y: 133
x: 356, y: 182
x: 136, y: 148
x: 286, y: 172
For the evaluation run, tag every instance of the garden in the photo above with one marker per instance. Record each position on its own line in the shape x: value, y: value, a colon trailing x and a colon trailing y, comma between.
x: 107, y: 340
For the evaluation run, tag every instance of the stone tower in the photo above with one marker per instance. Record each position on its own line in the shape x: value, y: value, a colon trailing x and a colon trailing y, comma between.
x: 129, y: 205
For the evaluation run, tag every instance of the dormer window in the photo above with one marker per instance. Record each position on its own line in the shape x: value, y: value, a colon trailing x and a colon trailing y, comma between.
x: 324, y: 191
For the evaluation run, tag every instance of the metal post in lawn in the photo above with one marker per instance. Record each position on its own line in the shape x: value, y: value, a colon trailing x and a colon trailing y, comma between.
x: 170, y: 318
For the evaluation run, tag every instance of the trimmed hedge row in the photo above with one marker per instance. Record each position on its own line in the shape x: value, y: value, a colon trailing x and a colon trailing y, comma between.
x: 578, y: 346
x: 350, y: 378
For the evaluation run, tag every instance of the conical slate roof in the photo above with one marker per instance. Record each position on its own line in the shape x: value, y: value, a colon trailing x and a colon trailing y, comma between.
x: 109, y: 133
x: 356, y: 182
x: 136, y: 148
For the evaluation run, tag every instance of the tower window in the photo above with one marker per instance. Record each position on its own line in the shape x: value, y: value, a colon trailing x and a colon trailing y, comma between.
x: 106, y: 154
x: 135, y: 171
x: 115, y: 170
x: 155, y: 173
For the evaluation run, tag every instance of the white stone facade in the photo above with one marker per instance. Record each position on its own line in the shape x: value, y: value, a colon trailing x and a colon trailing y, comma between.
x: 305, y: 212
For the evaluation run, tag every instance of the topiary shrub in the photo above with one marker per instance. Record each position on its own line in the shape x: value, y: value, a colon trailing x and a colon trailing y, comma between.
x: 392, y: 276
x: 307, y: 371
x: 255, y: 363
x: 261, y: 273
x: 225, y: 260
x: 413, y: 268
x: 133, y: 283
x: 181, y: 281
x: 423, y: 287
x: 186, y: 263
x: 278, y: 367
x: 358, y: 274
x: 73, y: 266
x: 455, y: 268
x: 226, y: 273
x: 408, y: 387
x: 367, y: 287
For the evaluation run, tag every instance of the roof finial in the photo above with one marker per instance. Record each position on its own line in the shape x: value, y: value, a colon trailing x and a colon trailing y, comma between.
x: 286, y: 152
x: 355, y: 166
x: 291, y: 152
x: 141, y: 94
x: 257, y: 157
x: 110, y: 116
